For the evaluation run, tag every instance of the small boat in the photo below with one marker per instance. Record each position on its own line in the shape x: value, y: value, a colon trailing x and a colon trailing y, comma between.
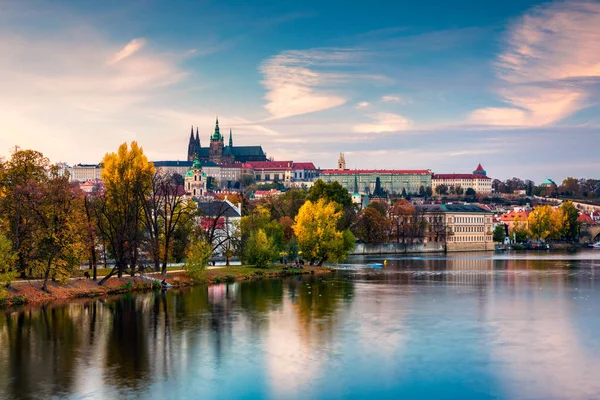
x: 375, y: 265
x: 596, y: 245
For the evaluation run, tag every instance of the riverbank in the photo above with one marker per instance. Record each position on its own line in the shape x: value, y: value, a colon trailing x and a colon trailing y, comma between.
x: 27, y: 292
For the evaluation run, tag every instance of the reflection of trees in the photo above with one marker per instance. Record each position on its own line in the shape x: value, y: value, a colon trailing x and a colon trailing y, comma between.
x: 316, y: 301
x: 260, y: 297
x: 38, y: 356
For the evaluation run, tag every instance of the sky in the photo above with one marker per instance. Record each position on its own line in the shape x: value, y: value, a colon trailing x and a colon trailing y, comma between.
x: 513, y: 85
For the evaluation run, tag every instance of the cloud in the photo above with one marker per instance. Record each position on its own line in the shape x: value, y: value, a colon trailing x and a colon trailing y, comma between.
x: 363, y: 104
x: 550, y: 56
x: 384, y: 122
x: 130, y: 48
x: 391, y: 99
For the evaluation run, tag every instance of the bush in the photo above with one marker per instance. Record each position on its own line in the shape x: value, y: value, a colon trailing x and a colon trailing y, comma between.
x: 229, y: 278
x: 197, y: 258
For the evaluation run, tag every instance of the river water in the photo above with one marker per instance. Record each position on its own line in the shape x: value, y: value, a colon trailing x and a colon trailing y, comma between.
x: 466, y: 326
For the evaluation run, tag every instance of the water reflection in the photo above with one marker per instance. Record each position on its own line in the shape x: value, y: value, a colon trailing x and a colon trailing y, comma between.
x: 423, y: 327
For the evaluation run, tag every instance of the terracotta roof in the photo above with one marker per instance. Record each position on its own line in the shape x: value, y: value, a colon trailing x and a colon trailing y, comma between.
x: 460, y: 176
x: 479, y: 168
x: 510, y: 216
x: 375, y: 171
x: 585, y: 219
x: 304, y: 165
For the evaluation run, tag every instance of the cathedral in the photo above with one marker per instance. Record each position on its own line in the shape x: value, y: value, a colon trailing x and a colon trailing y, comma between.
x: 218, y: 153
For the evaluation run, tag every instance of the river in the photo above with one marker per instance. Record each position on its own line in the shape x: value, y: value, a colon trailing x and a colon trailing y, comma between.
x: 462, y: 326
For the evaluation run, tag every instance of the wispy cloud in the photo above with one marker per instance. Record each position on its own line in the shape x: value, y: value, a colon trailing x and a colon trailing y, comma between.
x: 363, y: 104
x: 392, y: 99
x: 551, y: 54
x: 384, y: 122
x: 130, y: 48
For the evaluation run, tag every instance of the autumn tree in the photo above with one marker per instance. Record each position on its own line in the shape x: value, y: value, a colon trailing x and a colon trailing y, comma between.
x: 401, y: 215
x: 127, y: 176
x: 570, y: 228
x: 260, y: 219
x: 58, y: 212
x: 519, y: 231
x: 8, y: 259
x: 25, y: 167
x: 317, y: 232
x: 260, y: 250
x: 541, y: 224
x: 197, y: 256
x: 371, y: 227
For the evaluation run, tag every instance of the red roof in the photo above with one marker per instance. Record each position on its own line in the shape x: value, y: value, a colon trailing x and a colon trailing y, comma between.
x: 510, y: 216
x: 479, y: 168
x: 375, y: 171
x: 585, y: 219
x: 304, y: 165
x: 459, y: 176
x: 269, y: 165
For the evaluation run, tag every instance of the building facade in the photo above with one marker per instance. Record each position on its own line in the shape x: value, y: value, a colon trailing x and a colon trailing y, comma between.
x: 286, y: 172
x: 218, y: 152
x: 84, y: 172
x: 195, y: 181
x: 478, y: 181
x: 462, y: 227
x: 392, y: 181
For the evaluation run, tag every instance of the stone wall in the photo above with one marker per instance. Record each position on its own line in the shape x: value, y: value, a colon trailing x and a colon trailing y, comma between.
x: 397, y: 248
x: 478, y: 246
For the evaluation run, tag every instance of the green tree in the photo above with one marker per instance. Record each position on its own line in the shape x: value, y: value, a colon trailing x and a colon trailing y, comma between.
x: 470, y: 192
x: 499, y: 233
x: 197, y: 256
x: 441, y: 190
x: 261, y: 249
x: 371, y: 227
x: 459, y: 190
x: 332, y: 192
x: 318, y: 236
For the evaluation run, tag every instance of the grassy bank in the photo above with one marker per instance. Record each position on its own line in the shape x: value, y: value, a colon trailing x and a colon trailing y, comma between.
x: 25, y: 292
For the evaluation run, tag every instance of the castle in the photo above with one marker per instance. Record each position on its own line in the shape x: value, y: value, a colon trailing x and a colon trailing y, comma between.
x: 221, y: 154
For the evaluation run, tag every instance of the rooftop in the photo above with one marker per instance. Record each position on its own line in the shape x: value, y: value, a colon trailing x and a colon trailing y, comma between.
x: 375, y: 171
x: 452, y: 208
x: 460, y: 176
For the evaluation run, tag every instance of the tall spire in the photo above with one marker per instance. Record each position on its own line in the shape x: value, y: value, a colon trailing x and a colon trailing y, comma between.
x: 217, y: 134
x: 197, y: 138
x: 355, y: 183
x: 230, y: 138
x: 192, y: 133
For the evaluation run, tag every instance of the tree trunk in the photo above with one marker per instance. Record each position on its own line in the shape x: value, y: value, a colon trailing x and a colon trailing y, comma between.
x: 166, y: 257
x: 46, y: 275
x: 112, y: 272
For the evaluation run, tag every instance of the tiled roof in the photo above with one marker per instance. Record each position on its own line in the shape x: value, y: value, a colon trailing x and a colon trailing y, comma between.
x: 460, y: 176
x: 585, y: 219
x: 304, y: 165
x: 270, y: 165
x: 173, y: 163
x: 510, y: 216
x: 452, y: 208
x: 479, y: 168
x: 217, y: 209
x: 375, y: 171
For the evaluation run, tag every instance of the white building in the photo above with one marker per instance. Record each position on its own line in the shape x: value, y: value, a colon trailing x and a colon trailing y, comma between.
x: 478, y: 181
x: 195, y: 181
x: 84, y: 172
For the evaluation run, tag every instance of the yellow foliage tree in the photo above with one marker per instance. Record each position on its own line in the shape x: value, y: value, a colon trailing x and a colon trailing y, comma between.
x: 127, y: 176
x: 544, y: 222
x: 317, y: 233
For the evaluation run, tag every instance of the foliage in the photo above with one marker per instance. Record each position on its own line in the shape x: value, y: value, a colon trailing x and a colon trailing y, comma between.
x: 441, y: 190
x: 499, y: 233
x: 570, y: 226
x: 286, y: 204
x: 470, y: 192
x: 197, y: 257
x: 371, y: 227
x: 260, y: 249
x: 317, y: 233
x: 292, y: 249
x: 8, y: 259
x: 331, y: 192
x: 519, y: 230
x: 381, y: 208
x: 544, y: 223
x: 459, y: 190
x: 260, y: 219
x: 127, y: 176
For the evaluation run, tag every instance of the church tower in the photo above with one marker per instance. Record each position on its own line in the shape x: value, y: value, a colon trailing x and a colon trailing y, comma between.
x: 192, y: 148
x: 341, y: 162
x: 216, y: 145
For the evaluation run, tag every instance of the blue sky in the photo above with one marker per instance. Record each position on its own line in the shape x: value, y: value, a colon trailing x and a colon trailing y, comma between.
x: 440, y: 85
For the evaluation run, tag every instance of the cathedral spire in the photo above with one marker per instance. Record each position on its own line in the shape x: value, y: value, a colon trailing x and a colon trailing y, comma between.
x: 230, y: 138
x: 217, y: 134
x: 197, y: 138
x: 192, y: 133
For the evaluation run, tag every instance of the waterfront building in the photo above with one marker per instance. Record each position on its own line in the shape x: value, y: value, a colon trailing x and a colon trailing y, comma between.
x: 220, y: 218
x: 195, y: 181
x: 218, y: 152
x: 518, y: 215
x: 461, y: 227
x: 478, y: 181
x: 364, y: 181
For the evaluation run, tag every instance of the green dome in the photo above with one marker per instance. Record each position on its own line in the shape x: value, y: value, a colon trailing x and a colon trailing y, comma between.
x: 189, y: 173
x: 197, y: 164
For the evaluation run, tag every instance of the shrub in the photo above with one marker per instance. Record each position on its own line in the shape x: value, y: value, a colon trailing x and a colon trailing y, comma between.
x: 260, y: 249
x: 197, y: 258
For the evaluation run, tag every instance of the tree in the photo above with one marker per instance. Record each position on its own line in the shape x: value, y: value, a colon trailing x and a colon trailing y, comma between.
x: 459, y: 190
x: 58, y: 212
x: 441, y: 189
x: 197, y: 257
x: 381, y: 208
x: 499, y: 233
x: 8, y: 259
x: 332, y: 192
x: 127, y: 176
x: 23, y: 168
x: 371, y: 227
x: 318, y: 236
x: 401, y: 216
x: 260, y: 219
x: 261, y: 250
x: 519, y: 230
x: 470, y: 192
x: 91, y: 232
x: 569, y: 187
x: 541, y: 224
x: 570, y: 226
